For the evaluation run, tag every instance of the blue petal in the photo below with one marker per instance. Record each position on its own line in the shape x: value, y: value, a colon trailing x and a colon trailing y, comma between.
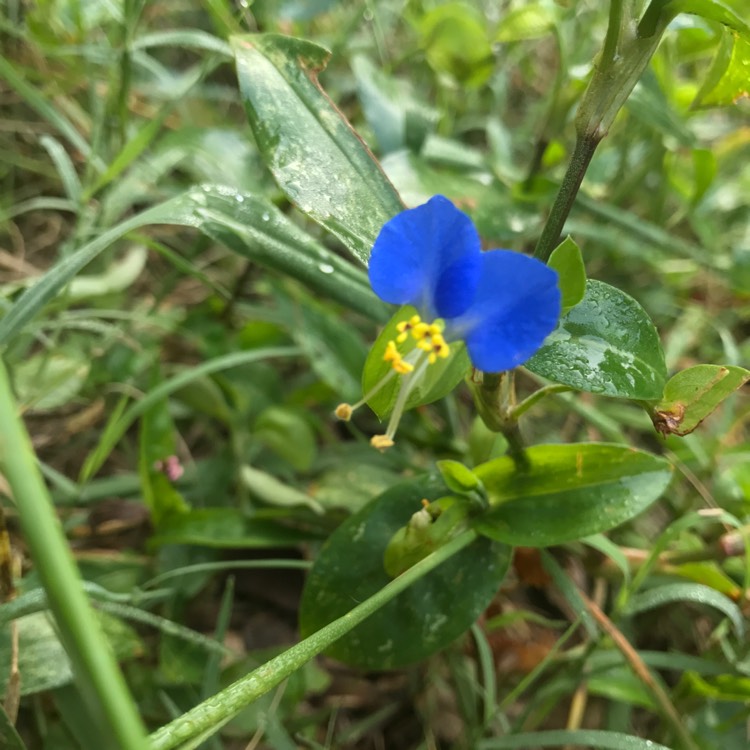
x: 428, y: 257
x: 517, y: 305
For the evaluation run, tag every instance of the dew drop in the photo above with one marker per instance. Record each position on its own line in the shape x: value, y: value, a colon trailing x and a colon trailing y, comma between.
x: 266, y: 216
x: 239, y: 198
x: 325, y: 268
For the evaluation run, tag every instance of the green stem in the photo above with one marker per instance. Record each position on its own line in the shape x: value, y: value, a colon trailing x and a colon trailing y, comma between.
x: 102, y: 686
x: 624, y: 58
x: 614, y: 29
x: 537, y: 395
x: 209, y: 716
x: 579, y: 163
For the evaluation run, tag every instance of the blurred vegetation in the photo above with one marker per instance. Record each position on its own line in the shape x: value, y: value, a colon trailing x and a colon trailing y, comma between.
x: 179, y: 390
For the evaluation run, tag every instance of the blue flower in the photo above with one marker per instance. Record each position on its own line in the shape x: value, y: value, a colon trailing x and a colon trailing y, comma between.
x: 501, y: 303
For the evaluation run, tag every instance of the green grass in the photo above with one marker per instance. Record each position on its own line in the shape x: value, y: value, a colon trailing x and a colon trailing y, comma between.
x: 164, y: 291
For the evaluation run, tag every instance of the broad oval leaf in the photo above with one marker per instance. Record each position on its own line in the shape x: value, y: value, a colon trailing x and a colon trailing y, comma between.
x: 606, y: 344
x: 568, y: 492
x: 424, y: 618
x: 316, y: 157
x: 692, y: 394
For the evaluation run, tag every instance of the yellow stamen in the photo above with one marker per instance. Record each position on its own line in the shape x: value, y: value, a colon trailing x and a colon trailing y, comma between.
x: 381, y: 442
x: 393, y: 356
x: 407, y: 326
x: 402, y: 367
x: 344, y: 412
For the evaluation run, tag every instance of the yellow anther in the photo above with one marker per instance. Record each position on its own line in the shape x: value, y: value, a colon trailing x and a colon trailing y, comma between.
x: 381, y: 442
x: 402, y: 367
x: 421, y: 331
x: 391, y: 352
x: 439, y: 349
x: 405, y: 326
x: 393, y: 356
x: 344, y: 412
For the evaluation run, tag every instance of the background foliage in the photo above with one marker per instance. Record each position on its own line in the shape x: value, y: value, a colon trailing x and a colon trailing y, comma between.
x: 177, y: 282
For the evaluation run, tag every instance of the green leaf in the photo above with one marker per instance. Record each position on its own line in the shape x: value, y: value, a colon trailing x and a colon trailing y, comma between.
x: 568, y: 492
x: 47, y: 381
x: 429, y: 528
x: 566, y: 259
x: 42, y: 660
x: 459, y: 478
x: 421, y: 620
x: 606, y: 344
x: 397, y: 118
x: 722, y: 687
x: 728, y: 78
x: 225, y: 528
x: 439, y: 378
x: 9, y: 738
x: 119, y: 275
x: 250, y: 226
x: 454, y: 37
x: 711, y: 10
x: 270, y: 490
x: 157, y: 445
x: 288, y: 434
x: 687, y: 592
x: 314, y: 154
x: 692, y: 394
x: 527, y: 22
x: 598, y: 739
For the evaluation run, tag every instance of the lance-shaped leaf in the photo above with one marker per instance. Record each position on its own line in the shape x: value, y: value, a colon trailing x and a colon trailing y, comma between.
x: 318, y: 160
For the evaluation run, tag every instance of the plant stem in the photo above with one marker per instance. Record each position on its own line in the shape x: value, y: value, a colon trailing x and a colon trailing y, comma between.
x: 614, y: 29
x: 538, y: 395
x: 208, y: 717
x: 106, y: 697
x: 579, y: 163
x: 494, y: 398
x: 625, y: 55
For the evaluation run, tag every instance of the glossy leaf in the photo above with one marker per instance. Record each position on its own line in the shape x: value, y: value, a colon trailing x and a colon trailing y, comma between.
x: 687, y: 592
x: 421, y: 620
x: 566, y: 259
x: 316, y: 157
x: 439, y: 380
x: 606, y: 344
x: 568, y: 492
x: 728, y: 78
x: 251, y: 226
x: 692, y: 394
